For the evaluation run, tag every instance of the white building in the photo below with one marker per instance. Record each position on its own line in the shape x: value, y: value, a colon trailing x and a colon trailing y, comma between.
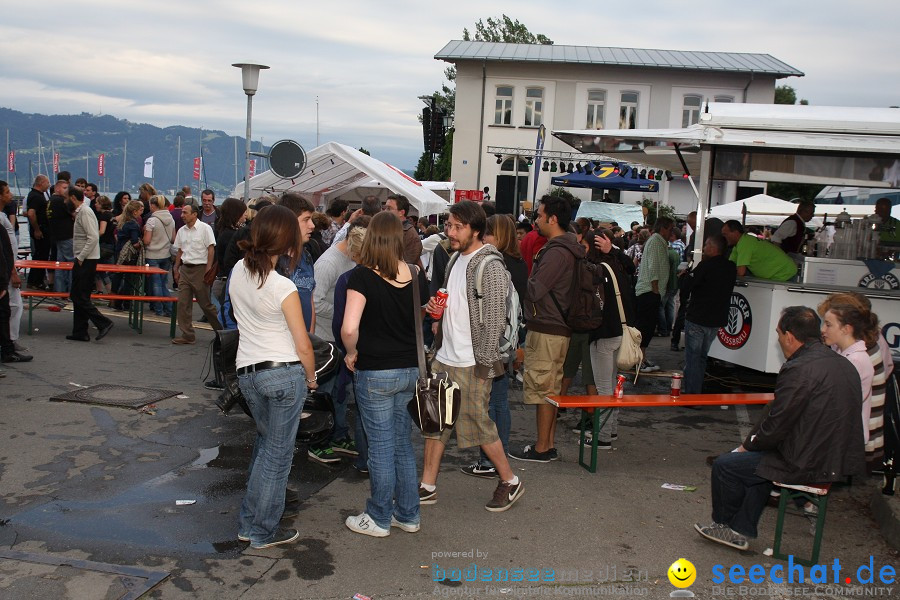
x: 504, y: 92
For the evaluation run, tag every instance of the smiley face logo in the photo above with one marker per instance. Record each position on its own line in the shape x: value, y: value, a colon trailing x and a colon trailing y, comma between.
x: 682, y: 573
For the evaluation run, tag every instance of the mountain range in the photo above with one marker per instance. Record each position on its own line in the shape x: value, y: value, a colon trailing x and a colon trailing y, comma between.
x: 81, y: 139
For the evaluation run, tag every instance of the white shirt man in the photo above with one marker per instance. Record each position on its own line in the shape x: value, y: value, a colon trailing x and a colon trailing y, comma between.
x: 194, y: 273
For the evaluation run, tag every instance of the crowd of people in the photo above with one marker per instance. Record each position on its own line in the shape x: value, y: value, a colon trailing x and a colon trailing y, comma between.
x: 279, y: 270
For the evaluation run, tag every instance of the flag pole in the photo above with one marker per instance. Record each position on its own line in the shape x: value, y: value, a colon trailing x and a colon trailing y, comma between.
x: 178, y: 166
x: 124, y: 163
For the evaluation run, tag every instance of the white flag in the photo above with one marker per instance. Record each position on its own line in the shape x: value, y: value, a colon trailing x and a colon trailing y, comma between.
x: 148, y: 167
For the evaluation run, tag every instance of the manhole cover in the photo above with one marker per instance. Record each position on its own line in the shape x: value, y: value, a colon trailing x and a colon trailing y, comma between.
x: 115, y: 395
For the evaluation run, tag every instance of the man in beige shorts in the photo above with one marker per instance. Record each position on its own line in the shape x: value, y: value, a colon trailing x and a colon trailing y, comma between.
x: 545, y: 306
x: 468, y: 350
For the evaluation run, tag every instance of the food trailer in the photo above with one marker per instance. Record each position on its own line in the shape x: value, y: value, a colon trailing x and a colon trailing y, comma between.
x: 777, y: 143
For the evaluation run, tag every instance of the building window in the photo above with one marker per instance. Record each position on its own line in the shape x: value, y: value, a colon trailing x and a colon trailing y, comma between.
x: 534, y: 106
x: 510, y: 165
x: 596, y: 109
x: 690, y: 110
x: 503, y: 107
x: 628, y: 107
x: 724, y: 98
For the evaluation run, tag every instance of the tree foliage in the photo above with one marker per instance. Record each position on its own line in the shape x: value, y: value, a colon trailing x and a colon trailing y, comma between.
x: 785, y: 94
x: 656, y: 209
x: 505, y: 30
x: 792, y: 191
x: 364, y: 151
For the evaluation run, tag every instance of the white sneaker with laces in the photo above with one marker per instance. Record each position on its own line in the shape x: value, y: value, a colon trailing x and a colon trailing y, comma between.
x: 365, y: 525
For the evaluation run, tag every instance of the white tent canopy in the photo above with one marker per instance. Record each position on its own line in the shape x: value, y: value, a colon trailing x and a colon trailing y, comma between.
x: 767, y: 210
x: 333, y: 169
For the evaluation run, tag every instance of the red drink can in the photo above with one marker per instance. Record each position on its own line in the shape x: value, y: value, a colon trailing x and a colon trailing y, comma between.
x: 620, y: 387
x: 440, y: 298
x: 676, y: 384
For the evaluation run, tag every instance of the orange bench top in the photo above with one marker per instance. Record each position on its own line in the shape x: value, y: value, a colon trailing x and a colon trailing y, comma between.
x: 647, y: 400
x: 103, y: 268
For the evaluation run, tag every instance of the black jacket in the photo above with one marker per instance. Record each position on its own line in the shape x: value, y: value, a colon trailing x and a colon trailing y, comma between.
x: 612, y: 322
x: 710, y: 286
x: 812, y: 432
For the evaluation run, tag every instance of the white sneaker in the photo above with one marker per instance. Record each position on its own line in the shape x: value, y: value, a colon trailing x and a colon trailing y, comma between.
x: 407, y: 527
x: 649, y: 367
x: 365, y: 525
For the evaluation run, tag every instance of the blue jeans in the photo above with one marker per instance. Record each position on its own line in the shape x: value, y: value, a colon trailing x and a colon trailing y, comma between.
x: 739, y: 495
x: 382, y: 397
x: 666, y: 315
x: 65, y: 252
x: 697, y: 341
x: 498, y: 410
x: 156, y: 285
x: 275, y: 397
x: 343, y: 384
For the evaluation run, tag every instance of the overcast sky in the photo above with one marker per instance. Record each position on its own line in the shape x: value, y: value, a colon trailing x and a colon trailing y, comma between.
x: 169, y: 63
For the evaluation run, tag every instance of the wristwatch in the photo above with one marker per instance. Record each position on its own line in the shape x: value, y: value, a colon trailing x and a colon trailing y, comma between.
x: 308, y: 381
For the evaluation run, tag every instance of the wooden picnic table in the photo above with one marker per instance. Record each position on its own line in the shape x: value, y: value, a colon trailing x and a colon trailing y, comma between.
x: 137, y: 298
x: 601, y: 407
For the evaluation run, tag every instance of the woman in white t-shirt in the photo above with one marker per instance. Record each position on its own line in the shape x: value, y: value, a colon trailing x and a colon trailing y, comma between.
x: 273, y: 358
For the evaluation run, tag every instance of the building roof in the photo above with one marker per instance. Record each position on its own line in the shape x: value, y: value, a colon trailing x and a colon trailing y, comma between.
x: 728, y: 62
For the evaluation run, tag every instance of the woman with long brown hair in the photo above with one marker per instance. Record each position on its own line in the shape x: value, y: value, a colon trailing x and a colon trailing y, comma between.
x: 274, y: 364
x: 379, y: 334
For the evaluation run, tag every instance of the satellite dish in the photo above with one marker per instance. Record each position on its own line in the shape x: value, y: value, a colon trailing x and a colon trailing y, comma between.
x: 287, y: 159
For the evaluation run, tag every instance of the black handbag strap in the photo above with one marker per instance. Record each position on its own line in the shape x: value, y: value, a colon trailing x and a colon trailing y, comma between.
x: 417, y: 315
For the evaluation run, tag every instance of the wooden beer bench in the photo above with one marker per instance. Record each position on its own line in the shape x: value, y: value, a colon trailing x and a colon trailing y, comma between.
x: 137, y: 299
x: 600, y: 407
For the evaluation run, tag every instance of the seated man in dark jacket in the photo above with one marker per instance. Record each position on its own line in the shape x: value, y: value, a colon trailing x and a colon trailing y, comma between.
x: 810, y: 433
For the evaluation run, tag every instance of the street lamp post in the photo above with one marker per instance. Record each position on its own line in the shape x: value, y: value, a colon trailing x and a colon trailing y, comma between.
x: 250, y: 78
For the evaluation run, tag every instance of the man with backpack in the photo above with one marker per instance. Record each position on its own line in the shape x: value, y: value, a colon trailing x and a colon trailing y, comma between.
x: 468, y: 350
x: 546, y: 311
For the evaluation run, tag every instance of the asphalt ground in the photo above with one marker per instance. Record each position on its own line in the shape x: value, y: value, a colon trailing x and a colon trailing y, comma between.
x: 88, y: 499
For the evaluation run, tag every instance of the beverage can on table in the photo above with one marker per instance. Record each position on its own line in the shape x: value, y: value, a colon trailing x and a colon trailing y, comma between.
x: 440, y: 298
x: 676, y: 384
x: 620, y: 387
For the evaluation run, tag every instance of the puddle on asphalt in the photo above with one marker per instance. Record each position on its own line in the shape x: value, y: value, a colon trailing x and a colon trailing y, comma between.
x: 145, y: 519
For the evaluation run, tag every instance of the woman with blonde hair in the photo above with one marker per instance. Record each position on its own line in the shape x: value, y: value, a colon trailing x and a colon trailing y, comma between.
x: 882, y: 363
x: 379, y: 334
x: 159, y: 232
x: 275, y: 367
x: 128, y: 246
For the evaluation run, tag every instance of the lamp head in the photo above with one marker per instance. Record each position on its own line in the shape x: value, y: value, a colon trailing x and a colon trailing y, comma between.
x: 250, y: 75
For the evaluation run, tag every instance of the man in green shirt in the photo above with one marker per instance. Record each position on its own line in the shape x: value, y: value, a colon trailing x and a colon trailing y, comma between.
x: 762, y: 259
x: 890, y: 227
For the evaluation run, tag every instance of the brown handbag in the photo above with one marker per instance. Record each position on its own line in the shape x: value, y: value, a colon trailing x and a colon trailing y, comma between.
x: 435, y: 404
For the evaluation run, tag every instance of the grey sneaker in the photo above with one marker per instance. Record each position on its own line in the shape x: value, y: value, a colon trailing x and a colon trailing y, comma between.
x: 505, y: 495
x: 723, y: 534
x: 407, y: 527
x: 426, y: 497
x: 282, y: 536
x: 365, y: 525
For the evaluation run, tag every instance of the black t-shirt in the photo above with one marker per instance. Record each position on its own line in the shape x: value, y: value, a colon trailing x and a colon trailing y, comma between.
x: 62, y: 225
x: 387, y: 330
x: 37, y: 202
x: 108, y: 236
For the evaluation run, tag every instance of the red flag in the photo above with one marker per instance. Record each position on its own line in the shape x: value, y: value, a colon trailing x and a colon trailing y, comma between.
x: 197, y: 162
x: 252, y: 167
x: 56, y: 162
x: 101, y: 171
x: 11, y: 162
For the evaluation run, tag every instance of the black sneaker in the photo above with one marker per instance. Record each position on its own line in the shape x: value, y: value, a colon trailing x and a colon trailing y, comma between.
x: 554, y: 455
x: 345, y: 446
x: 426, y: 497
x: 722, y: 534
x: 291, y: 509
x: 212, y: 384
x: 15, y: 357
x: 530, y: 454
x: 601, y: 445
x: 326, y: 456
x: 505, y: 496
x: 479, y: 470
x: 282, y: 536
